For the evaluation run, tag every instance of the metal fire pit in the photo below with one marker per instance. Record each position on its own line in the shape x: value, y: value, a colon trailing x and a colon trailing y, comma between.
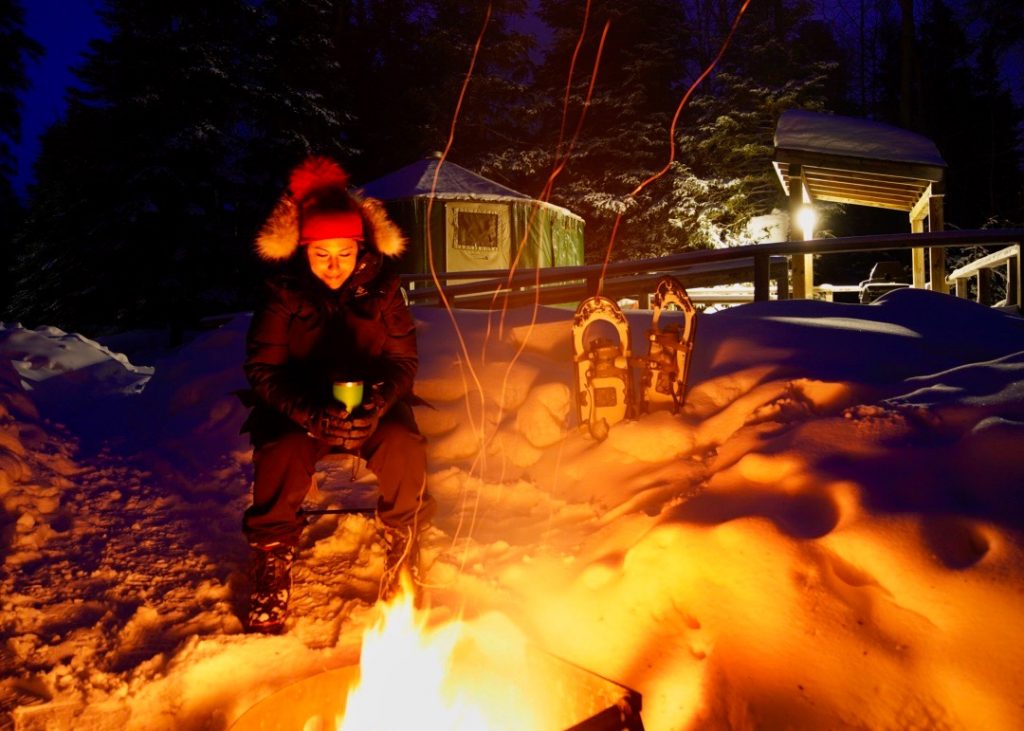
x: 581, y: 700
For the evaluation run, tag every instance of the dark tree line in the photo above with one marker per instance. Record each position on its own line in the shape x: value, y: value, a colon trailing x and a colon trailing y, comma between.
x: 16, y: 51
x: 187, y: 116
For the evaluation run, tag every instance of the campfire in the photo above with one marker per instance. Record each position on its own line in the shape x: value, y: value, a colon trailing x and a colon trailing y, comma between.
x: 459, y: 675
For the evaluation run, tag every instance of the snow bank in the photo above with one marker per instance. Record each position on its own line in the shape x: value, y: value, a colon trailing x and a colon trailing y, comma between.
x: 829, y: 536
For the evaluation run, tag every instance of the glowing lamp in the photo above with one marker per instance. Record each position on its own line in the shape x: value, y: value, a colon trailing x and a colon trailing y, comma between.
x: 807, y: 218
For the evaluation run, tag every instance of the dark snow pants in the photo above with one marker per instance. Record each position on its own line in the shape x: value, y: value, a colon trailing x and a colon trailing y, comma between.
x: 283, y: 474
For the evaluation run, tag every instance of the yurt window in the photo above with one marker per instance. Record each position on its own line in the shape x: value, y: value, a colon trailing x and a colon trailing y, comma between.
x: 477, y: 236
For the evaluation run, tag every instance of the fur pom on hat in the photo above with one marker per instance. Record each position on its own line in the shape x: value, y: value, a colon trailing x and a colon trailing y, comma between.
x: 318, y: 187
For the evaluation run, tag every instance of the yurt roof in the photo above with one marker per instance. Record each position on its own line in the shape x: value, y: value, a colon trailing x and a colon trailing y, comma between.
x: 454, y: 182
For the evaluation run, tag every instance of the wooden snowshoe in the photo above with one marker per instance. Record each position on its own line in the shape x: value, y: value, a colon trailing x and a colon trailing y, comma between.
x: 602, y: 377
x: 665, y: 369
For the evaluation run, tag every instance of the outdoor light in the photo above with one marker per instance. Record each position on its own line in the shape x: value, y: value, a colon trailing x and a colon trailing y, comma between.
x: 807, y: 217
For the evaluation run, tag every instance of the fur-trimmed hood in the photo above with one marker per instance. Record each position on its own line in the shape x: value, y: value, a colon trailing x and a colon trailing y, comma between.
x: 310, y: 182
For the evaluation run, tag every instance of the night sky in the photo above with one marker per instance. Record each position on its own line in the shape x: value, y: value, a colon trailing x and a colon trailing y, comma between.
x: 64, y: 28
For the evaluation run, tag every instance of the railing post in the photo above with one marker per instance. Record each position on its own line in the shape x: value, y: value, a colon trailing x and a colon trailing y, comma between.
x: 917, y: 256
x: 1013, y: 276
x: 762, y: 278
x: 985, y: 287
x: 937, y: 254
x: 802, y: 264
x: 782, y: 283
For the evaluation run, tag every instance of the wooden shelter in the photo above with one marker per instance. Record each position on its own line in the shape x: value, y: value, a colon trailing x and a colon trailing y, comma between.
x: 826, y: 157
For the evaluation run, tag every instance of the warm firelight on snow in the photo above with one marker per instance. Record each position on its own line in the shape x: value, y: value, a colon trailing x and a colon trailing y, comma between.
x: 462, y: 674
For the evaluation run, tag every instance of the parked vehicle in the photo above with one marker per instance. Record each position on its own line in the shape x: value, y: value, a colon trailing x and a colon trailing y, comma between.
x: 885, y: 277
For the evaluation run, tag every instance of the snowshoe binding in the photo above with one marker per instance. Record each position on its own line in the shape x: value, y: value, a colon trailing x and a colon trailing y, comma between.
x: 271, y: 582
x: 664, y: 370
x: 602, y: 377
x: 401, y: 556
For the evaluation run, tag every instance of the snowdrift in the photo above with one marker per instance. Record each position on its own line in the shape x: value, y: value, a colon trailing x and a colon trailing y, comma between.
x: 828, y: 537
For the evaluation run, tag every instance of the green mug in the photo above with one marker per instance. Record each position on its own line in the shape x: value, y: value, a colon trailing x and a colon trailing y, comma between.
x: 349, y: 393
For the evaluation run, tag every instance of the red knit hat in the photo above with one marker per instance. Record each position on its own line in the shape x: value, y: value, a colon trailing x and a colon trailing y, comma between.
x: 316, y: 225
x: 320, y: 187
x: 318, y: 205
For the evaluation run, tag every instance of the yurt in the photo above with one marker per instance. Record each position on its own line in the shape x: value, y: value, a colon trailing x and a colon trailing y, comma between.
x: 473, y: 223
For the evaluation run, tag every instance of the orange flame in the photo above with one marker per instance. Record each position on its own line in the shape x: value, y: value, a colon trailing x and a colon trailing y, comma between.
x: 411, y: 677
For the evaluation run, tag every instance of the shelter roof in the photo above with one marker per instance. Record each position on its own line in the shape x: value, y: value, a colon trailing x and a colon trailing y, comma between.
x: 858, y: 161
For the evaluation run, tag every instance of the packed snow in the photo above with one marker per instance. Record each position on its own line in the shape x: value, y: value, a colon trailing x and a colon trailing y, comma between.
x: 829, y: 536
x: 834, y: 134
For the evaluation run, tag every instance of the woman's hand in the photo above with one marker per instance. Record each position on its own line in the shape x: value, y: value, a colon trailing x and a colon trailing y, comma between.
x: 335, y: 426
x: 361, y: 425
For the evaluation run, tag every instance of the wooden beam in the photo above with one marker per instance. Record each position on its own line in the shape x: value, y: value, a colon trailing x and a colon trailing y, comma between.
x: 919, y: 211
x: 858, y: 178
x: 917, y: 255
x: 864, y: 164
x: 988, y: 261
x: 838, y: 191
x: 1014, y: 270
x: 861, y: 202
x: 762, y: 279
x: 936, y: 255
x: 802, y: 264
x: 984, y: 287
x: 907, y: 196
x: 781, y: 282
x: 905, y: 202
x: 783, y: 175
x: 909, y: 188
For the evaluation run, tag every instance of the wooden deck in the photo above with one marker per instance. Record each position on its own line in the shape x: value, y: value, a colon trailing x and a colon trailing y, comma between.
x: 760, y: 264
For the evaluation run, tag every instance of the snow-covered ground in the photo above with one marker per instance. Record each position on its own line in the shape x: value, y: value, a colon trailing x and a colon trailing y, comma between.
x: 829, y: 537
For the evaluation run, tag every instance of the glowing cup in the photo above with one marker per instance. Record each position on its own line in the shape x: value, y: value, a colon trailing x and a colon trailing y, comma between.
x: 349, y: 393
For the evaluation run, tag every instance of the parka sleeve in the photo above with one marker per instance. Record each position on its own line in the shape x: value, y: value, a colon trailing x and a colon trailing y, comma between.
x: 399, y: 357
x: 266, y: 362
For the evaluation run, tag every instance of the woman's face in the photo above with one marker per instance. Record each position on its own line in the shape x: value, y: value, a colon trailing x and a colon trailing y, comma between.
x: 332, y: 260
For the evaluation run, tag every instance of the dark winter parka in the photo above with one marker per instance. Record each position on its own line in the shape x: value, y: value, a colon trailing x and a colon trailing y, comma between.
x: 305, y: 335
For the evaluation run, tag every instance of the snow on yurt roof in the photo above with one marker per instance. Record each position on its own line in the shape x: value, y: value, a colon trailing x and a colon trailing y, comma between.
x: 418, y: 179
x: 832, y: 134
x: 453, y: 182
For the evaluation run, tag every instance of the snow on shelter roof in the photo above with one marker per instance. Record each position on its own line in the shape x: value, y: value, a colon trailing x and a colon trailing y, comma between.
x: 859, y: 161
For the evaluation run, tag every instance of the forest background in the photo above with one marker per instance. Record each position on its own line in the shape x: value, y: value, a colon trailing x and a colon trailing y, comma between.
x: 185, y: 118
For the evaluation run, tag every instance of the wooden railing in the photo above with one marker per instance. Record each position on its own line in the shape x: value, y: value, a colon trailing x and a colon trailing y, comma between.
x: 983, y: 268
x: 759, y: 263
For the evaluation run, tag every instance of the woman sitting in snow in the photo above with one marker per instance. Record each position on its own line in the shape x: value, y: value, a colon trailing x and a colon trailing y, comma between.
x: 334, y: 312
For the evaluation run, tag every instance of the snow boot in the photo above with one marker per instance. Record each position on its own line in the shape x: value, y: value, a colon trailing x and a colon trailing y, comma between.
x: 401, y: 554
x: 271, y: 586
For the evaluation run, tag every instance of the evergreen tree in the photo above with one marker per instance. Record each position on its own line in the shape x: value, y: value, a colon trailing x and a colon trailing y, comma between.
x: 408, y: 61
x: 127, y: 213
x: 16, y: 50
x: 961, y: 104
x: 781, y: 58
x: 171, y: 153
x: 189, y: 117
x: 723, y: 173
x: 623, y: 137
